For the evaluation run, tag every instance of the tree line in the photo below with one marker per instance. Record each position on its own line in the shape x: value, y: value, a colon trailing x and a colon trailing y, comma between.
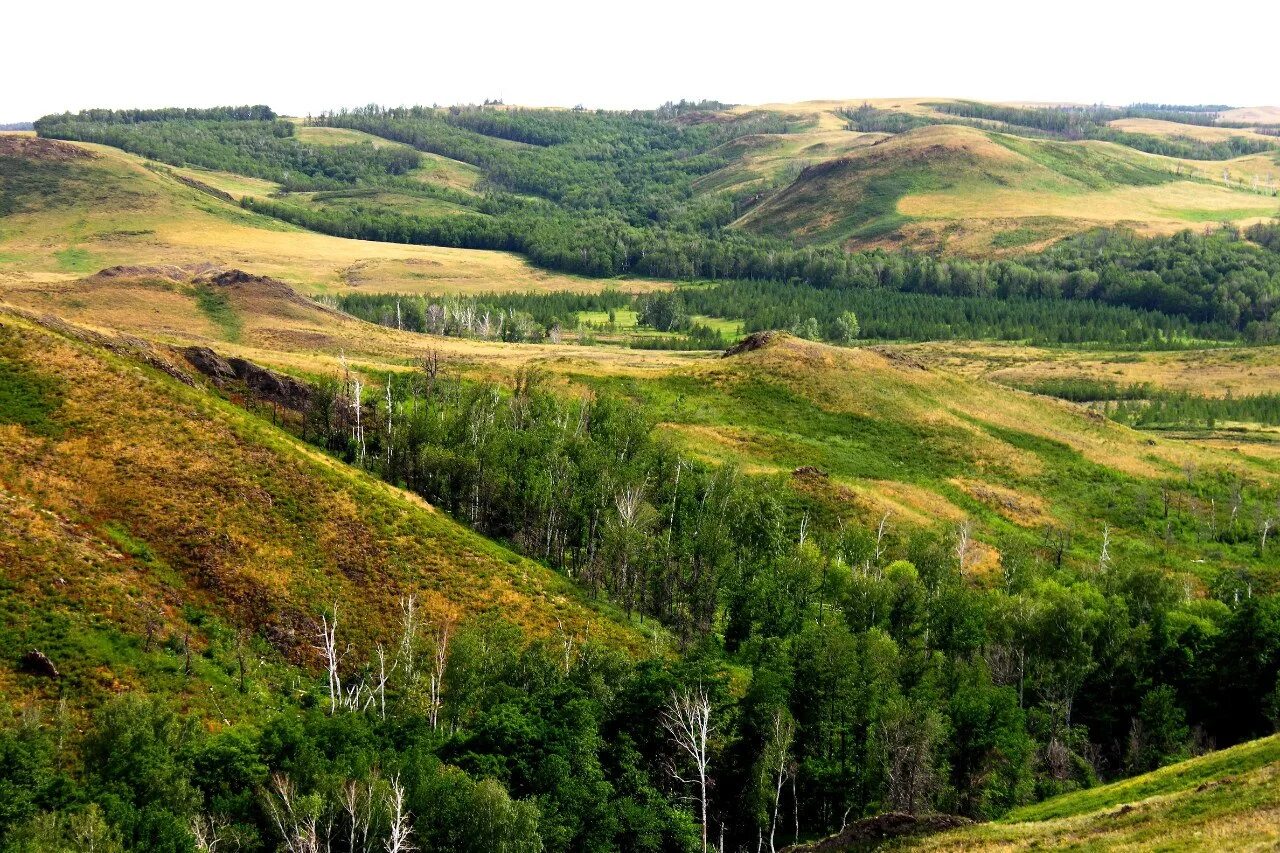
x: 264, y: 149
x: 258, y: 112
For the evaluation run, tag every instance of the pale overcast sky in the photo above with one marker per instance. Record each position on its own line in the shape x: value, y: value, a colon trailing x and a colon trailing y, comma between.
x: 306, y: 57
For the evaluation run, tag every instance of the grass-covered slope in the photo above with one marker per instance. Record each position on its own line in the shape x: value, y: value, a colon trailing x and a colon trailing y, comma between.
x: 975, y: 190
x: 1228, y: 800
x: 133, y: 506
x: 934, y: 447
x: 68, y: 209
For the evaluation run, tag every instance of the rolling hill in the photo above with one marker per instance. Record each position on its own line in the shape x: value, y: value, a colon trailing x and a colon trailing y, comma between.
x: 136, y: 502
x: 974, y: 191
x: 846, y: 564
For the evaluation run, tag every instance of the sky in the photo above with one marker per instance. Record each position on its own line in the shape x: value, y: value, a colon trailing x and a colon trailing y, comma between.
x: 302, y: 58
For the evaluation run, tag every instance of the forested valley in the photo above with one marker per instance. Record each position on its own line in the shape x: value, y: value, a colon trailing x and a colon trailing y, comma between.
x: 1053, y: 613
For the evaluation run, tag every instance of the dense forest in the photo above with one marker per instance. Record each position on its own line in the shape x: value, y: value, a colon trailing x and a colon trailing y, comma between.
x: 809, y: 312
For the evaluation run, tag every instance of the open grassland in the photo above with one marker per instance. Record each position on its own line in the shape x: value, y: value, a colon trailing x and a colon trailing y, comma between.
x: 75, y: 217
x: 1254, y: 115
x: 266, y: 321
x: 973, y: 191
x: 112, y: 477
x: 1204, y: 372
x: 767, y: 160
x: 1228, y: 800
x: 1174, y: 129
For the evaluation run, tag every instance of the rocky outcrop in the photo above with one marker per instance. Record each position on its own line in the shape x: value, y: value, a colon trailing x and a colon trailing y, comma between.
x: 753, y: 341
x: 265, y: 384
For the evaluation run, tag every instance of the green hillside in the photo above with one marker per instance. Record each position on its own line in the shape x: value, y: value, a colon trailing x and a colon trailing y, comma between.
x: 1220, y: 801
x: 455, y: 380
x: 965, y: 185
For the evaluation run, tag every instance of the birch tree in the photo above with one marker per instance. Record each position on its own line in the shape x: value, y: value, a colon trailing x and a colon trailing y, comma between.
x: 687, y: 719
x: 399, y: 838
x: 329, y: 648
x: 777, y: 761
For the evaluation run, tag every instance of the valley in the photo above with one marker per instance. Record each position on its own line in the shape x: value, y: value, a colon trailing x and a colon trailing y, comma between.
x: 927, y: 448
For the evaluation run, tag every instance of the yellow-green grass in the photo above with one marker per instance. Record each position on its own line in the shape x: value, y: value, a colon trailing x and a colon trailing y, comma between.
x: 1254, y: 115
x: 1206, y: 372
x: 112, y: 210
x: 930, y: 447
x: 434, y: 169
x: 314, y: 135
x: 766, y: 159
x: 1204, y: 133
x: 446, y: 172
x: 627, y: 319
x: 127, y: 497
x: 236, y: 186
x: 962, y: 189
x: 391, y: 199
x: 1228, y: 800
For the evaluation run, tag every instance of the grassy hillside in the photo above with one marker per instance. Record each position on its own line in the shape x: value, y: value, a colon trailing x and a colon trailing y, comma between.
x: 1224, y: 800
x: 973, y: 191
x: 69, y: 215
x: 1015, y: 463
x: 858, y: 546
x: 132, y: 500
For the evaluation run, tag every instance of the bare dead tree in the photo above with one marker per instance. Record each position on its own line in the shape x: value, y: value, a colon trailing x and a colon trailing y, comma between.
x: 964, y: 544
x: 400, y: 838
x: 687, y: 719
x: 242, y: 659
x: 881, y: 530
x: 439, y: 664
x: 906, y: 742
x: 210, y: 831
x: 329, y: 648
x: 390, y: 414
x: 298, y: 825
x: 383, y: 675
x: 567, y: 643
x: 431, y: 367
x: 357, y: 803
x: 1104, y: 555
x: 778, y: 756
x: 408, y: 654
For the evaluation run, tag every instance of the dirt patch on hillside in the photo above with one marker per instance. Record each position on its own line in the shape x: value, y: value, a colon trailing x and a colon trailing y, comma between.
x: 1022, y: 509
x: 752, y: 342
x: 35, y: 148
